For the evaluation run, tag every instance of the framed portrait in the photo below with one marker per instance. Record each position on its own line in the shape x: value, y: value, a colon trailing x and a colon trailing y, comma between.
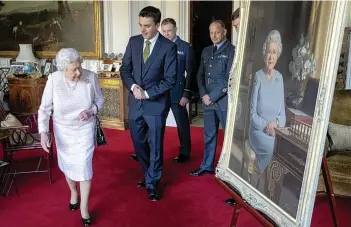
x: 281, y: 87
x: 50, y: 26
x: 106, y: 67
x: 47, y: 68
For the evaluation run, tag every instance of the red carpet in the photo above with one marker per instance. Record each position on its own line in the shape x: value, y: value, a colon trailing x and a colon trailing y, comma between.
x: 116, y: 201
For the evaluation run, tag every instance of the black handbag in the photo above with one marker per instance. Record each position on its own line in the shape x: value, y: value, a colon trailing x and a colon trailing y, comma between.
x: 100, y: 139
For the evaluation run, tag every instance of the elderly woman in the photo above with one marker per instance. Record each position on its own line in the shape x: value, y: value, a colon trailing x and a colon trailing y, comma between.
x: 72, y: 95
x: 267, y: 108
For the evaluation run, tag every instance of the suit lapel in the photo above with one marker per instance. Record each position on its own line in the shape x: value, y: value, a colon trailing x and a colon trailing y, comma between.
x: 140, y: 57
x: 151, y: 58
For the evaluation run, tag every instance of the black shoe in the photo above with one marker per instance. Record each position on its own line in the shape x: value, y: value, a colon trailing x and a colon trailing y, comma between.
x: 153, y: 195
x: 141, y: 184
x: 73, y: 206
x: 86, y: 222
x: 134, y: 157
x: 180, y: 159
x: 199, y: 172
x: 230, y: 202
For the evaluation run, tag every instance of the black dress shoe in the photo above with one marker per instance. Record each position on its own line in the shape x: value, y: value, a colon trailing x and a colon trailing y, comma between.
x: 153, y: 195
x: 73, y: 206
x: 141, y: 184
x: 199, y: 172
x: 230, y: 202
x: 86, y: 221
x: 180, y: 159
x: 134, y: 157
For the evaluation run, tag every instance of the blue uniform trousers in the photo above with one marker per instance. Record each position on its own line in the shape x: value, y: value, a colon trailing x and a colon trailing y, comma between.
x: 212, y: 118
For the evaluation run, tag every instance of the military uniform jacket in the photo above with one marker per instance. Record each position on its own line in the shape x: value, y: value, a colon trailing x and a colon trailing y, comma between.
x: 183, y: 85
x: 213, y: 75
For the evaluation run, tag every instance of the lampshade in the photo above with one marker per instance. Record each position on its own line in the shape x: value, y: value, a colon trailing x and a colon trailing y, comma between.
x: 26, y: 54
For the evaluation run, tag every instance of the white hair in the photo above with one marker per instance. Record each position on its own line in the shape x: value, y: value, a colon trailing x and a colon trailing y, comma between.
x: 67, y: 56
x: 273, y: 36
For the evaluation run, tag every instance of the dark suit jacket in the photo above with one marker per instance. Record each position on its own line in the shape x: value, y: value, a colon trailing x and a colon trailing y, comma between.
x: 213, y: 75
x: 157, y: 76
x: 186, y: 62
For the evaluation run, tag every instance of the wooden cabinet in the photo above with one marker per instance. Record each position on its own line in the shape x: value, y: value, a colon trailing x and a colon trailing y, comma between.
x: 25, y: 94
x: 114, y: 112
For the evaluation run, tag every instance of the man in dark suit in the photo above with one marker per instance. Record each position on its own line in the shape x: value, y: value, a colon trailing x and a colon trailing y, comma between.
x: 148, y: 70
x: 212, y: 77
x: 181, y: 92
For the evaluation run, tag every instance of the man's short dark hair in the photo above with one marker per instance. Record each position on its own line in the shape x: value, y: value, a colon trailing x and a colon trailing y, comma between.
x: 153, y: 12
x: 169, y: 21
x: 220, y: 22
x: 236, y: 14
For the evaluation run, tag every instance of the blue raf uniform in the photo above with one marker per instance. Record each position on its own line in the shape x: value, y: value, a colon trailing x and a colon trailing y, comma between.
x: 212, y: 78
x: 181, y: 89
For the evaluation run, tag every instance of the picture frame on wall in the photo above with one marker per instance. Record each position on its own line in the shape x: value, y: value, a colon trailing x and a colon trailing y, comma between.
x: 50, y: 26
x: 47, y: 68
x: 106, y: 67
x: 292, y: 49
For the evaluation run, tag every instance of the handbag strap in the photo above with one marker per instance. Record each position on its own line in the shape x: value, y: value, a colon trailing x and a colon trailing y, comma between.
x: 97, y: 109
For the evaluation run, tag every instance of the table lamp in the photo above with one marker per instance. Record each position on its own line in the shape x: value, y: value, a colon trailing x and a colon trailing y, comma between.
x: 27, y: 57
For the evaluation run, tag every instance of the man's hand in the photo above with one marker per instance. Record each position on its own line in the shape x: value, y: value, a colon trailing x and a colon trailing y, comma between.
x: 138, y: 92
x: 183, y: 101
x: 206, y: 100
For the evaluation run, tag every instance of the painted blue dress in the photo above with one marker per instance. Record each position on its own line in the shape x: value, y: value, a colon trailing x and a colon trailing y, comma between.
x: 267, y: 104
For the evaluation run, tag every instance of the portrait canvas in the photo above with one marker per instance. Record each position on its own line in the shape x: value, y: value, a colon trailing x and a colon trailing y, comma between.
x: 50, y: 26
x: 279, y: 91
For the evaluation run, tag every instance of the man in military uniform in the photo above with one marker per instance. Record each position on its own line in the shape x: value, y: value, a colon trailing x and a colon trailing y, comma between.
x: 212, y: 78
x: 181, y: 92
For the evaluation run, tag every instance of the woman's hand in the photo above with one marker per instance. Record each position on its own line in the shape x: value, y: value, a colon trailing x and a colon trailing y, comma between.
x: 269, y: 129
x: 45, y: 141
x: 86, y: 115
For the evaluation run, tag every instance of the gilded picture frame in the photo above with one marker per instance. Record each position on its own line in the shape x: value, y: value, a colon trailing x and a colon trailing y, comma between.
x: 320, y: 26
x: 50, y: 26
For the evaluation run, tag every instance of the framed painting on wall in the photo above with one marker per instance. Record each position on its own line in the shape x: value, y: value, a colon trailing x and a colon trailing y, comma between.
x: 292, y: 50
x: 50, y: 26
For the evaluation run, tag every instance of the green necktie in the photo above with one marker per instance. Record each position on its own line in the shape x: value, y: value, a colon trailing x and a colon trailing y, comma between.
x: 146, y: 50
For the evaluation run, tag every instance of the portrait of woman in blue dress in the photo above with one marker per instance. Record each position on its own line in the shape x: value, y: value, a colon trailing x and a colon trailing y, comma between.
x: 267, y: 108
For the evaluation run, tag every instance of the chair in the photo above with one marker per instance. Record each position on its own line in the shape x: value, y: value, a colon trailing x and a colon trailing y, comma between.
x: 25, y: 138
x: 6, y: 179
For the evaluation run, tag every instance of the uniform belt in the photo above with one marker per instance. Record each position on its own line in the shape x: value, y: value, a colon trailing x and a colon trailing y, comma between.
x: 214, y: 81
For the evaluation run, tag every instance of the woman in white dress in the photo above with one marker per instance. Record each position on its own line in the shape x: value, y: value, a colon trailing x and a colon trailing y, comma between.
x: 72, y: 96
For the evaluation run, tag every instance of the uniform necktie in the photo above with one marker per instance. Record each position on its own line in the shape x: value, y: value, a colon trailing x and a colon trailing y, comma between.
x: 214, y: 48
x: 146, y: 50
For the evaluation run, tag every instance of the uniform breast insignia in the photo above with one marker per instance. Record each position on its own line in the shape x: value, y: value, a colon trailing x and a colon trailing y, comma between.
x: 222, y: 56
x: 180, y: 52
x: 224, y: 90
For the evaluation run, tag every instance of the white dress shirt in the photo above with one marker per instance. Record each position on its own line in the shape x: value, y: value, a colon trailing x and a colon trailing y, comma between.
x: 152, y: 44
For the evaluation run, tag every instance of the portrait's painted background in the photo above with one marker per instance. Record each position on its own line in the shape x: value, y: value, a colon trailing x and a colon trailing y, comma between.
x: 48, y: 25
x: 281, y: 181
